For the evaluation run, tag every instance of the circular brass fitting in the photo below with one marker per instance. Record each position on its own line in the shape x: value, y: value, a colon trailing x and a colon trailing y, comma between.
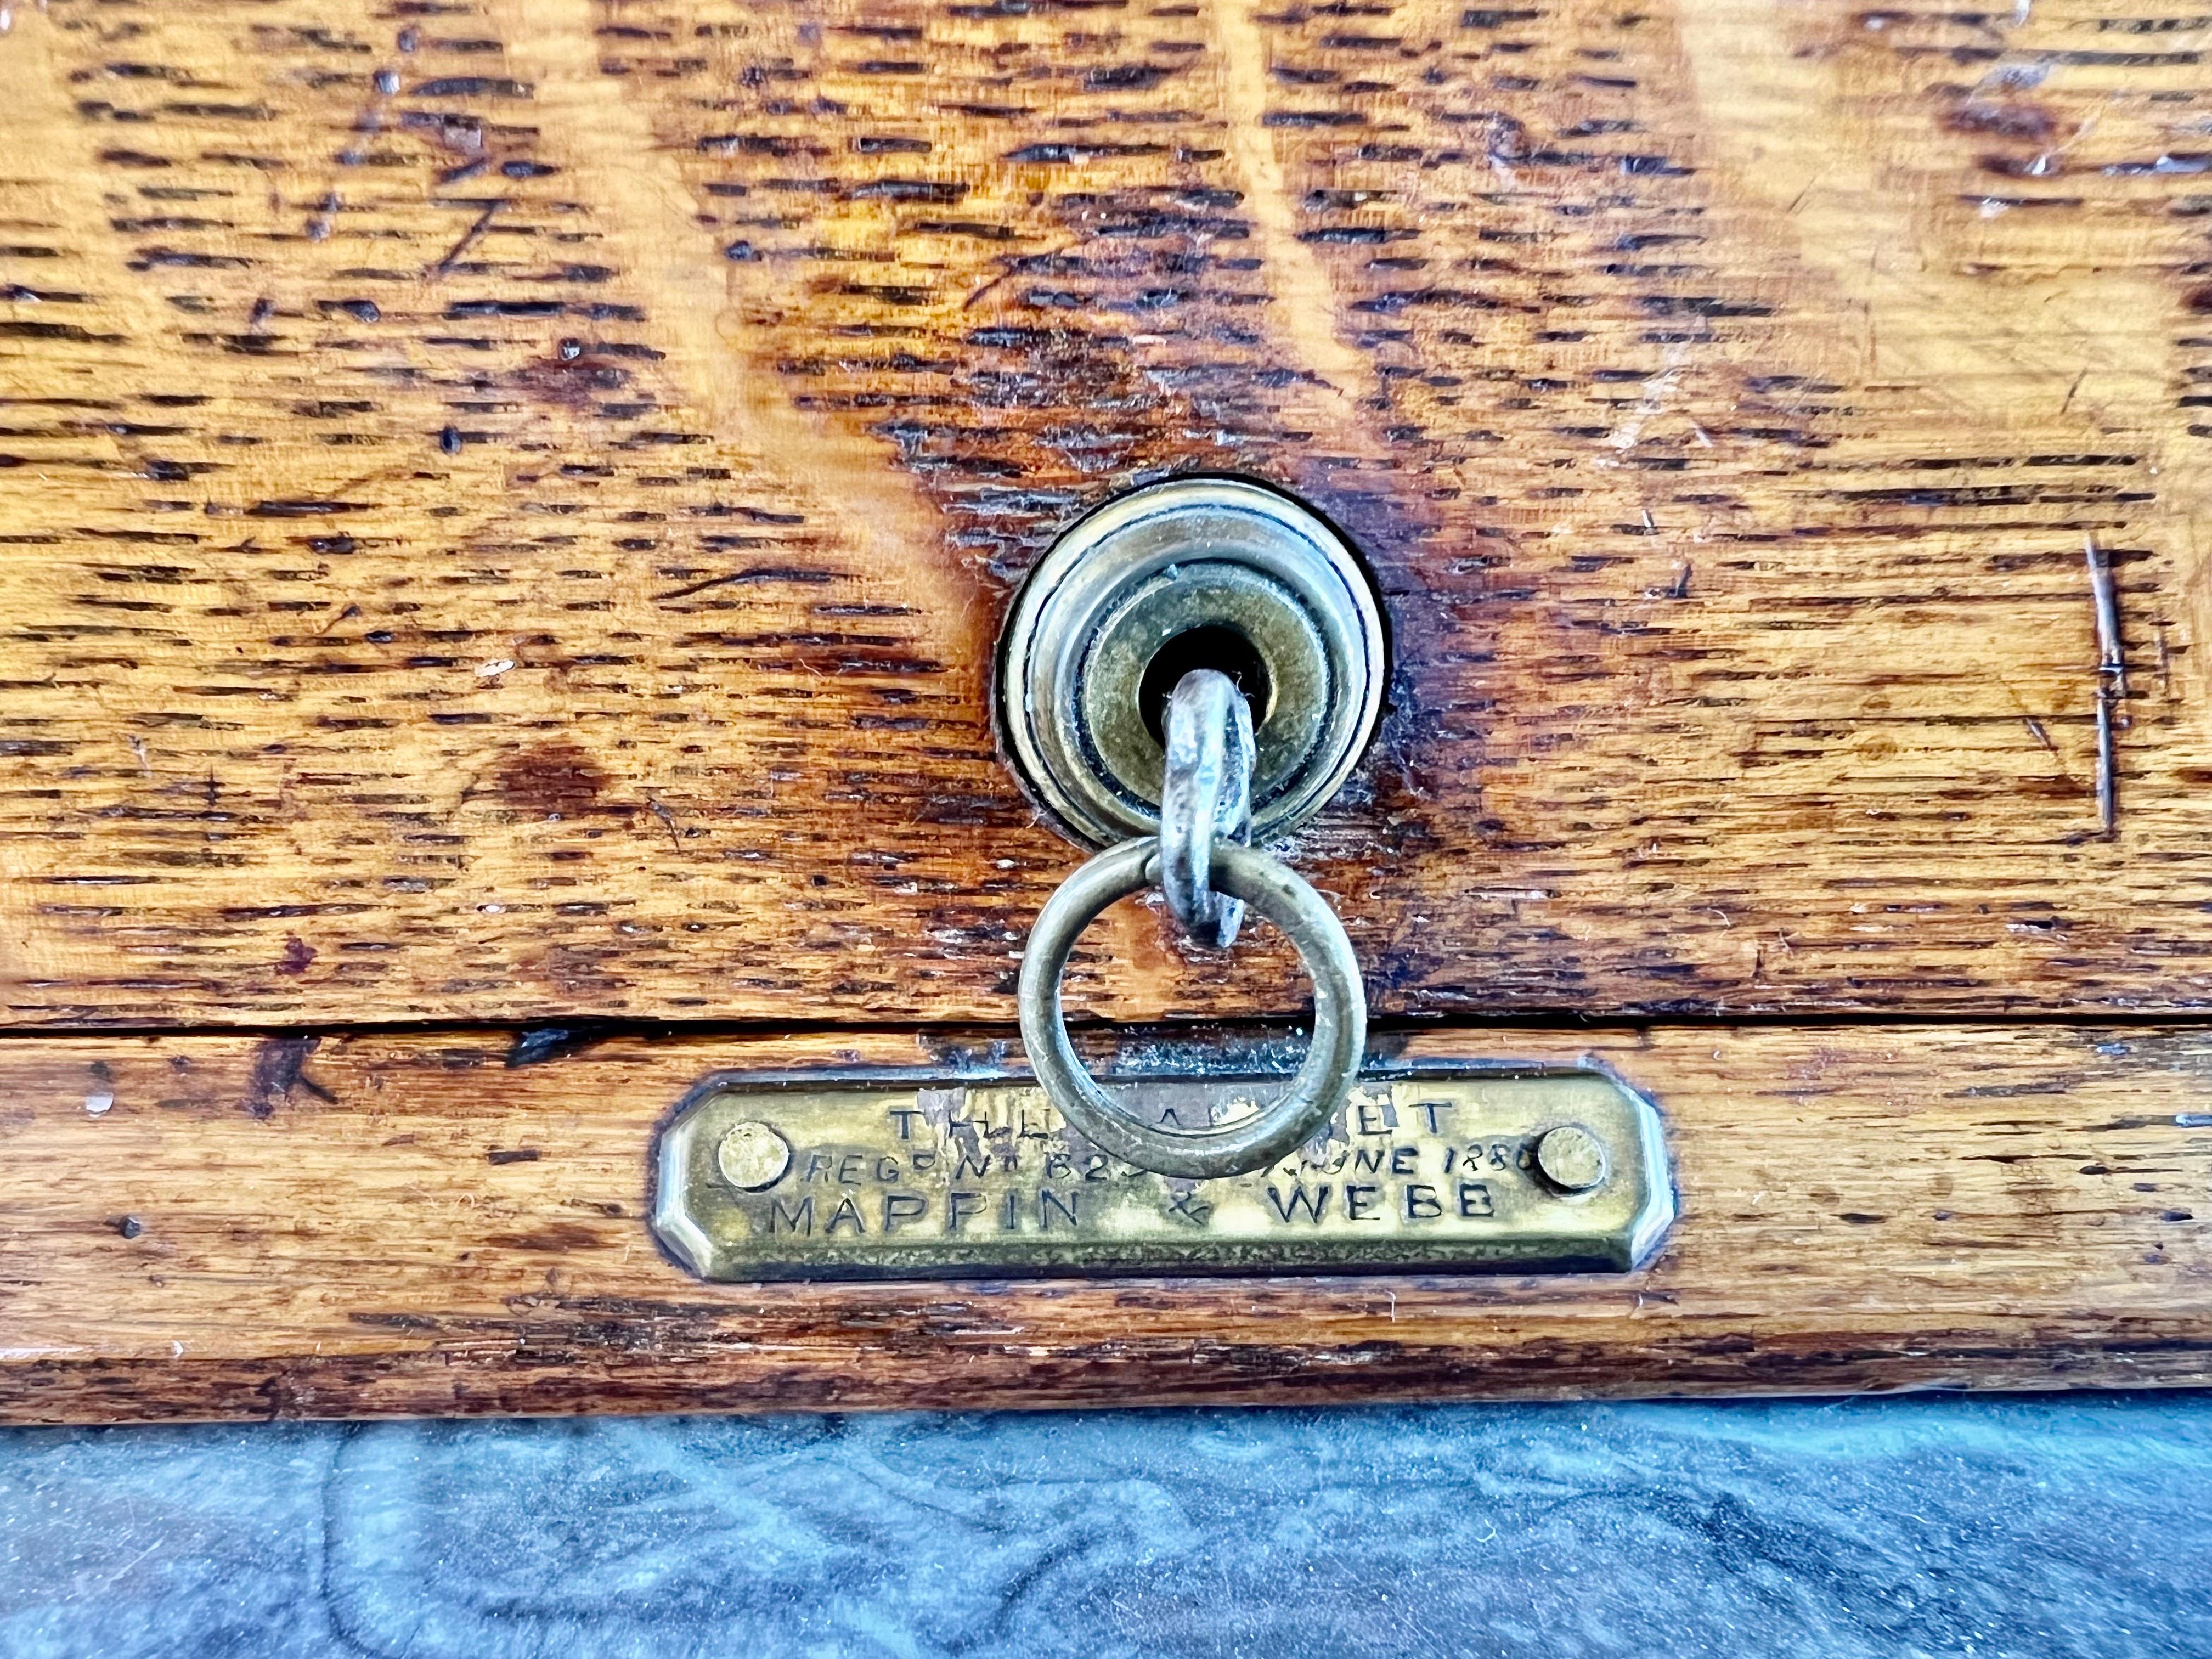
x: 1572, y: 1159
x: 1195, y: 573
x: 752, y: 1156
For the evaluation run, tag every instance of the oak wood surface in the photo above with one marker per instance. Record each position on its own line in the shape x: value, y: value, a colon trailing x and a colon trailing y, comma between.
x: 504, y: 508
x: 222, y: 1226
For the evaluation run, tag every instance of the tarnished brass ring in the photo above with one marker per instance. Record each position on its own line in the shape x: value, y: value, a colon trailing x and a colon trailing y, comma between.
x: 1339, y: 1027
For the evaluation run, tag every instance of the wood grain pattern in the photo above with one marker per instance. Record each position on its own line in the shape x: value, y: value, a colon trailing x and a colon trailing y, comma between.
x: 504, y: 509
x: 197, y: 1227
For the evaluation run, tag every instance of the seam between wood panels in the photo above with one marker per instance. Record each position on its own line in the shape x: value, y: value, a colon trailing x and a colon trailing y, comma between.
x: 595, y: 1029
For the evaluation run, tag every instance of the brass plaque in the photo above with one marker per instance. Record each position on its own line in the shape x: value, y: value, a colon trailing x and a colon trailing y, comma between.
x: 1485, y: 1170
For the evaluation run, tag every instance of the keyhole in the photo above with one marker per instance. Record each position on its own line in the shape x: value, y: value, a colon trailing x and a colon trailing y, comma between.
x: 1224, y: 649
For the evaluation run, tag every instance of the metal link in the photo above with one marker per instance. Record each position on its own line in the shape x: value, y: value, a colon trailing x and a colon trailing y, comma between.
x: 1206, y: 797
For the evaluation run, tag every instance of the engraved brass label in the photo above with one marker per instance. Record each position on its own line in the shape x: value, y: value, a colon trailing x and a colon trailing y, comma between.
x: 1481, y: 1169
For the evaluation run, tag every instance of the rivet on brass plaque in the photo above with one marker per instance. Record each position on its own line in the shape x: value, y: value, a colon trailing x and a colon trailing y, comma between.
x: 1470, y: 1169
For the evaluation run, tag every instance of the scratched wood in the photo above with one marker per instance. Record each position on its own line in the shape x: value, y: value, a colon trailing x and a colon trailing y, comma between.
x: 506, y: 507
x: 222, y: 1226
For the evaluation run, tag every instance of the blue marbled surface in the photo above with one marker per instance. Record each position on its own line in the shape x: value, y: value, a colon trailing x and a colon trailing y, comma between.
x: 2048, y: 1526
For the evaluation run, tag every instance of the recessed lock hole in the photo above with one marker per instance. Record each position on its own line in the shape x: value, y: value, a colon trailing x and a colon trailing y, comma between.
x: 1224, y: 649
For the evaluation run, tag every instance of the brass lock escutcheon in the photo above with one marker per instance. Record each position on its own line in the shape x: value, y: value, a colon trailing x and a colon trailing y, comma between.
x: 1214, y: 574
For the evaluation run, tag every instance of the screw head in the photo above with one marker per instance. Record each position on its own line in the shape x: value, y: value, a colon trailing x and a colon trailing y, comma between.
x: 752, y: 1156
x: 1572, y: 1159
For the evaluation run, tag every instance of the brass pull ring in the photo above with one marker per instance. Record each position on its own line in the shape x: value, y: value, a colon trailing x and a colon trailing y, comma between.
x: 1315, y: 1094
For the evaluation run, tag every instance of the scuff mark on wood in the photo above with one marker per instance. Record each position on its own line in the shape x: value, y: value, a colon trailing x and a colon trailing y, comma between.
x: 468, y: 239
x: 2111, y: 684
x: 278, y: 1067
x: 554, y: 779
x: 545, y: 1042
